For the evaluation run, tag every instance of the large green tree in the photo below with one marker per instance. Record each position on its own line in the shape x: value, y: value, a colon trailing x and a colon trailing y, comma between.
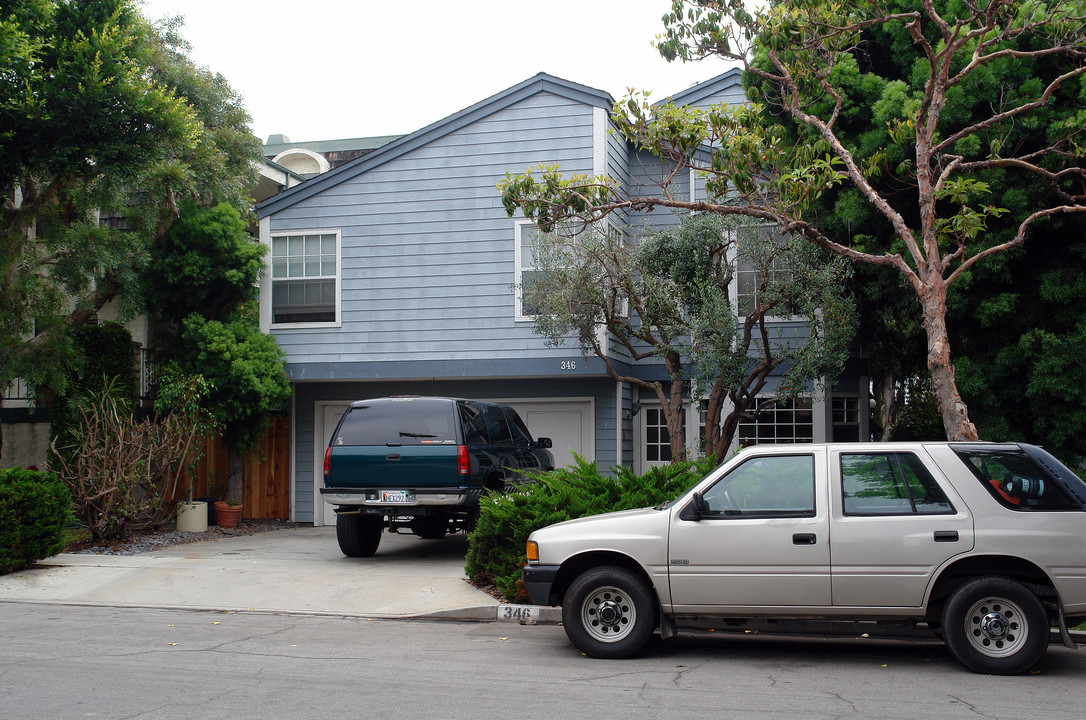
x: 105, y: 126
x: 669, y: 295
x: 938, y: 163
x: 201, y: 286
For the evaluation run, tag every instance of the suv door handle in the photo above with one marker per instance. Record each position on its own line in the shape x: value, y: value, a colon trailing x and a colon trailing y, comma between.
x: 804, y: 539
x: 946, y: 536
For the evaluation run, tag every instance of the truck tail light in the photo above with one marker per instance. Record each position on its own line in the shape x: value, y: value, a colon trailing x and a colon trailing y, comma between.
x: 463, y: 460
x: 328, y: 461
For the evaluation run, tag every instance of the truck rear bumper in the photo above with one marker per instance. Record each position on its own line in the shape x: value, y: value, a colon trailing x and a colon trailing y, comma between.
x: 371, y: 497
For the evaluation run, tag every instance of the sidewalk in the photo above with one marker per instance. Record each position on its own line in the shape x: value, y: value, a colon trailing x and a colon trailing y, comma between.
x: 299, y: 570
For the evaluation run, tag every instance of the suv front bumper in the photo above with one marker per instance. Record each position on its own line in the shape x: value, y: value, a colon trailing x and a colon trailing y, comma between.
x: 539, y: 583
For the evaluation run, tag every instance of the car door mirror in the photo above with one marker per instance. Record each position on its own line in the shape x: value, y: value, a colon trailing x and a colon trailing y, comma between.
x: 544, y: 443
x: 695, y: 509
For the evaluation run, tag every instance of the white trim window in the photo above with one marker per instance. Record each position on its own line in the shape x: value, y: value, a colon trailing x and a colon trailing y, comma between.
x: 526, y: 235
x: 750, y: 270
x: 656, y: 442
x: 305, y: 279
x: 778, y: 421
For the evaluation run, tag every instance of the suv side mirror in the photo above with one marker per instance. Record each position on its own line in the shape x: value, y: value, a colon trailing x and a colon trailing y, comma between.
x: 695, y: 509
x: 544, y: 443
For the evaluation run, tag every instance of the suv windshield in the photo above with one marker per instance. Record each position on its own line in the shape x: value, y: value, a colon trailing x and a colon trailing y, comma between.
x: 407, y: 421
x: 1014, y: 479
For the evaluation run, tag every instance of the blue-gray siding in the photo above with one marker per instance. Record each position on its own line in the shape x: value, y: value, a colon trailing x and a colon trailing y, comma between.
x: 428, y: 252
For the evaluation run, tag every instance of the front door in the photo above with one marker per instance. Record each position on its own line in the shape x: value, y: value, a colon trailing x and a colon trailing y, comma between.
x: 762, y: 538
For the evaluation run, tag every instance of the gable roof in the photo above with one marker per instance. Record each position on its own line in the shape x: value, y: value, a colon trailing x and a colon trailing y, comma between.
x: 730, y: 80
x: 539, y: 83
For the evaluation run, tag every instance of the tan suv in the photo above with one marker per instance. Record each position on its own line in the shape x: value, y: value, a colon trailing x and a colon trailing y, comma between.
x: 985, y: 543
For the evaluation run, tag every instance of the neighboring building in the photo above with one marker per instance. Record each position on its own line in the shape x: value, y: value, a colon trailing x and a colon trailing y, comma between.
x: 396, y: 273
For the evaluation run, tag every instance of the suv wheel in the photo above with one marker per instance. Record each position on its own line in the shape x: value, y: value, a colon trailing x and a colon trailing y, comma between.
x: 995, y: 625
x: 358, y: 535
x: 608, y: 612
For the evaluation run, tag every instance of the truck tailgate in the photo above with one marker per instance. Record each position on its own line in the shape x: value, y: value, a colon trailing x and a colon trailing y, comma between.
x: 383, y: 467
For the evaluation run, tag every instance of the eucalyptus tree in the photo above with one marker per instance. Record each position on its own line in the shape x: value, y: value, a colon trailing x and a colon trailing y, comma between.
x: 802, y: 55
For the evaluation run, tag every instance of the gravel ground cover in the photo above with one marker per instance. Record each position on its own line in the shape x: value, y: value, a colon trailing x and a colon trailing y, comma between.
x: 169, y: 536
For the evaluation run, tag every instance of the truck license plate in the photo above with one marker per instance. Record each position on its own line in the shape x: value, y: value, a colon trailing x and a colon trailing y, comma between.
x: 396, y: 496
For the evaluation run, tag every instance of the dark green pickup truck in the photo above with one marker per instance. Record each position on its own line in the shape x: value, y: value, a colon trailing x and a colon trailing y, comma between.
x: 422, y: 463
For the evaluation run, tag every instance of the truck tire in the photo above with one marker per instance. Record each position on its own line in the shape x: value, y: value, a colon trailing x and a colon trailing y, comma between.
x: 358, y: 535
x: 995, y: 625
x: 608, y: 612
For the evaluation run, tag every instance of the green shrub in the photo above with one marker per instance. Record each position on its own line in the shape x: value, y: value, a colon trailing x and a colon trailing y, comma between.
x: 496, y: 546
x: 34, y: 509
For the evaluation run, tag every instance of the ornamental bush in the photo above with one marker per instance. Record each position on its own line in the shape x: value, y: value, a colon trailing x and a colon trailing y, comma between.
x: 496, y: 546
x: 35, y: 507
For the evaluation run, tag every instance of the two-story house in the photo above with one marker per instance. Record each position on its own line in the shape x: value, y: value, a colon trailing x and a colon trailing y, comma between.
x: 397, y: 273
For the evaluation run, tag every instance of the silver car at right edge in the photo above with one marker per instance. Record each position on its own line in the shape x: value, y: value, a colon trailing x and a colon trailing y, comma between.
x: 983, y: 542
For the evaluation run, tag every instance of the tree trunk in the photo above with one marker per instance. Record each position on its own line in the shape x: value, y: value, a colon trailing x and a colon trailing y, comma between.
x: 672, y: 404
x: 952, y: 408
x: 886, y: 405
x: 235, y: 480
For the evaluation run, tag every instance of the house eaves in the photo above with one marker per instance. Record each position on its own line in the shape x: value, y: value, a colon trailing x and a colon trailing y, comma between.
x: 695, y: 94
x: 539, y: 83
x: 271, y: 149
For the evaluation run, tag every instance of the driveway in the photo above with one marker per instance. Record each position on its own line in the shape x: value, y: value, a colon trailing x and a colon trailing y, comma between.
x: 299, y: 570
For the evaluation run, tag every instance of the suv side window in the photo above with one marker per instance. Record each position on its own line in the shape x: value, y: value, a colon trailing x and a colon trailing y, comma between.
x: 890, y: 484
x: 497, y: 426
x: 772, y: 486
x: 1014, y: 479
x: 521, y: 437
x: 474, y: 423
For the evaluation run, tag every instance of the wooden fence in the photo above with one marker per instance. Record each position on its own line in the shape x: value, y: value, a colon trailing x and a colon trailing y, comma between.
x: 266, y: 485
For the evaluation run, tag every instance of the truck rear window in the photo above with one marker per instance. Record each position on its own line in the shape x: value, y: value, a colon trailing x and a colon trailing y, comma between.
x: 1014, y: 479
x: 399, y: 422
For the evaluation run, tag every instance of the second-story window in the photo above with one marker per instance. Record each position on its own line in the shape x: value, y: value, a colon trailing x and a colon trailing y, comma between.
x: 528, y: 236
x: 304, y: 278
x: 759, y: 267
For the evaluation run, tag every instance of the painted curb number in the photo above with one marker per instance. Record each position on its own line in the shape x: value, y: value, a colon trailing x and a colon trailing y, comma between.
x: 527, y: 614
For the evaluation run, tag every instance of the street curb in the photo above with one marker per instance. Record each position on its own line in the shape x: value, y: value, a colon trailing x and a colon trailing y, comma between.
x: 505, y: 612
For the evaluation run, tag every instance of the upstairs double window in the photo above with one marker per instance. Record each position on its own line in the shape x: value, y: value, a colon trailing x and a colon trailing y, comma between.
x: 305, y: 278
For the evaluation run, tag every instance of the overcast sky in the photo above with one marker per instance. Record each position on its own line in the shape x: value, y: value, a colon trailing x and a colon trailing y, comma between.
x: 328, y: 69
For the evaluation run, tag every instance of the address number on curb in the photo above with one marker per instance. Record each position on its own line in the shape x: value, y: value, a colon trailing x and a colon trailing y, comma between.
x: 526, y: 614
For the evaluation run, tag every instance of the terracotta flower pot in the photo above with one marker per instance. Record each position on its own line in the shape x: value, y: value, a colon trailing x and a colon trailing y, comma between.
x: 227, y: 515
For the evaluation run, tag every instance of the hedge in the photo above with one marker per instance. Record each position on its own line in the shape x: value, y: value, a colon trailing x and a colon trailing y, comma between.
x: 496, y: 546
x: 35, y: 507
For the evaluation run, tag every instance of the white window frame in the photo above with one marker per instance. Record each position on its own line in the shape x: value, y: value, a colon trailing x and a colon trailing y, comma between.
x: 519, y: 267
x: 772, y: 421
x: 735, y: 279
x: 337, y: 277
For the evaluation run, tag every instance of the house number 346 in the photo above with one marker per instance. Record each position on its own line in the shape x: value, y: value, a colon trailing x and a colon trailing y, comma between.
x: 569, y: 364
